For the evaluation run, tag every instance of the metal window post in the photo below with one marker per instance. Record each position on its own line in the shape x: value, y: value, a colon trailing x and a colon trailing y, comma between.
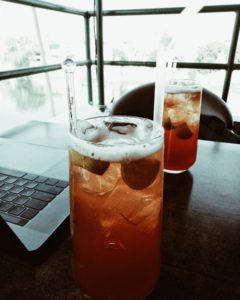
x: 231, y: 57
x: 100, y: 65
x: 88, y: 58
x: 40, y: 41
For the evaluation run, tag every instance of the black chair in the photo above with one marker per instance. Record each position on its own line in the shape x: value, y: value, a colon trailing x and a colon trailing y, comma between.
x: 216, y: 122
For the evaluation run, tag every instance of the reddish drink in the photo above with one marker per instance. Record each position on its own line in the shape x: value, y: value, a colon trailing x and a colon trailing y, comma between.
x: 181, y: 117
x: 116, y: 182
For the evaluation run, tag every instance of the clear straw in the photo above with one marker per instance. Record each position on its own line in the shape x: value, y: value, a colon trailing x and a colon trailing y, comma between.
x: 166, y: 61
x: 69, y: 67
x: 161, y: 74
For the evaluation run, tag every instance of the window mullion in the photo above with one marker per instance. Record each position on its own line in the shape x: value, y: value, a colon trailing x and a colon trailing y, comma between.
x: 231, y: 57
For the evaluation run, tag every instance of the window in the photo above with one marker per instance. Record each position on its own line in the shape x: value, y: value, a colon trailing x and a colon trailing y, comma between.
x: 233, y: 98
x: 37, y: 37
x: 33, y: 86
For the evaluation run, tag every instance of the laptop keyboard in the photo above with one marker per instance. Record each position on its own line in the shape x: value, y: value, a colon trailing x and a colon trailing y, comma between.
x: 24, y: 195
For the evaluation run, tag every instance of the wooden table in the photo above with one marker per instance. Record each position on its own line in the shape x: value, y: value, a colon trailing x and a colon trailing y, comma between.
x: 201, y: 252
x: 201, y: 239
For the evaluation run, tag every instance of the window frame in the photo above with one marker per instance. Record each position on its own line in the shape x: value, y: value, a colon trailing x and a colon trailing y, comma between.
x: 99, y: 14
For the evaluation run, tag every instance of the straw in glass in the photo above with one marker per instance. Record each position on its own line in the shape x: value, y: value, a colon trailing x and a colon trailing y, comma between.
x: 69, y: 67
x: 166, y: 61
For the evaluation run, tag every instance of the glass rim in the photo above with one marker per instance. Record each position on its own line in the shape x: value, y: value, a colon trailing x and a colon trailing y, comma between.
x: 189, y: 85
x: 118, y: 151
x: 157, y: 136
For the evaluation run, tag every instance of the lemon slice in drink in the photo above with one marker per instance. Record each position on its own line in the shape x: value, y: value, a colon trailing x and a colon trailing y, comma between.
x: 183, y: 132
x: 92, y: 165
x: 139, y: 174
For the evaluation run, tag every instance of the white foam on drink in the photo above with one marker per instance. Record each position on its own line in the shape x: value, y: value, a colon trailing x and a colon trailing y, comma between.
x: 182, y: 86
x: 117, y: 138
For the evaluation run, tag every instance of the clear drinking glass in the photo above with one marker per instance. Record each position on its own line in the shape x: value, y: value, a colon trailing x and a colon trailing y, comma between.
x: 116, y: 188
x: 181, y: 115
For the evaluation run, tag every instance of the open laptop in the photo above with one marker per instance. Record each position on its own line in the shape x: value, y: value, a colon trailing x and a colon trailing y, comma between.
x: 34, y: 192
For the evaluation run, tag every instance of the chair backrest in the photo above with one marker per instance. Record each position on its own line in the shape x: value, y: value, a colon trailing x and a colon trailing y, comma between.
x: 215, y: 115
x: 137, y: 102
x: 212, y: 105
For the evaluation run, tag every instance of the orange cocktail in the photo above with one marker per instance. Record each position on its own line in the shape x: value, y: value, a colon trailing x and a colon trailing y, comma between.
x: 181, y: 116
x: 116, y: 182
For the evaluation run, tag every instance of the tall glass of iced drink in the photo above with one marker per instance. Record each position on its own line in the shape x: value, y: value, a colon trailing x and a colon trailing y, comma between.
x: 116, y: 183
x: 181, y: 115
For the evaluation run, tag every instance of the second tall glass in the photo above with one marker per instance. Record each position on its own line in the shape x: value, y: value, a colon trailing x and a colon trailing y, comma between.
x: 181, y: 116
